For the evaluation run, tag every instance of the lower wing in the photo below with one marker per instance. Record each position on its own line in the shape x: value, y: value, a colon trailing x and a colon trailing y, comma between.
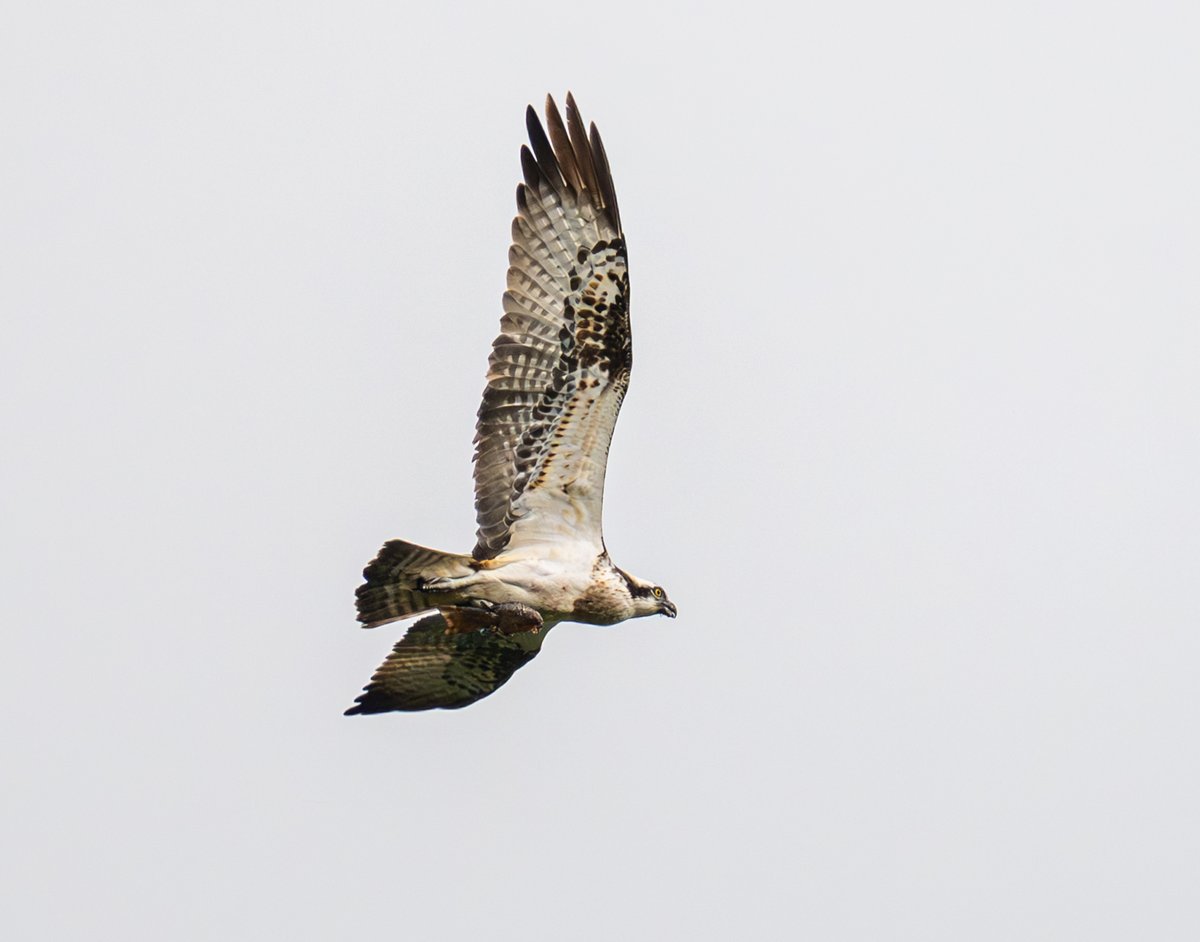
x: 431, y: 669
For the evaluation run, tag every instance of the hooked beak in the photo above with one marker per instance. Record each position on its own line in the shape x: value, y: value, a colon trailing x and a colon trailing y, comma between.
x: 668, y: 609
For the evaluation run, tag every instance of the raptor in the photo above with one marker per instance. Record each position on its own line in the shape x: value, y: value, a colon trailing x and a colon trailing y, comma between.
x: 556, y: 378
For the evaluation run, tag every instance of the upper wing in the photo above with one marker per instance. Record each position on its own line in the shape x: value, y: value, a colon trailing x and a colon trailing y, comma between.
x: 560, y: 367
x: 428, y: 668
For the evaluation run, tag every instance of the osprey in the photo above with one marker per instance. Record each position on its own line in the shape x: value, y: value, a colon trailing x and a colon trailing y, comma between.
x: 556, y: 378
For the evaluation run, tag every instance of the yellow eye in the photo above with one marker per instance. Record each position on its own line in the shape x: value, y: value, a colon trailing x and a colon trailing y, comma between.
x: 658, y: 593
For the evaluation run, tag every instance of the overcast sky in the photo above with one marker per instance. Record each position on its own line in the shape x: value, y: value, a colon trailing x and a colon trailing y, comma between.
x: 912, y: 440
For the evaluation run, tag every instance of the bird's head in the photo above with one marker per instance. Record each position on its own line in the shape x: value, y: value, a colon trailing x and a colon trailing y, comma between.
x: 650, y: 599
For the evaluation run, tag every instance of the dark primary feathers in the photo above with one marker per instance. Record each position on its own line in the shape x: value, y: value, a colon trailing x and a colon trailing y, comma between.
x: 560, y: 366
x: 430, y: 668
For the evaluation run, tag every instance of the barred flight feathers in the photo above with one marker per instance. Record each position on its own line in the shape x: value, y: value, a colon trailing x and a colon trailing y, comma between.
x: 560, y: 366
x: 430, y: 669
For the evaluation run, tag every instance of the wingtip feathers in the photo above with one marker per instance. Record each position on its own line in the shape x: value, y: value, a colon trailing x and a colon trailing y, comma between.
x: 568, y: 154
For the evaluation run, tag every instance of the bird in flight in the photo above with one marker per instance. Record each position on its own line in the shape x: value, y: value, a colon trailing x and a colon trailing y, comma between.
x: 556, y: 378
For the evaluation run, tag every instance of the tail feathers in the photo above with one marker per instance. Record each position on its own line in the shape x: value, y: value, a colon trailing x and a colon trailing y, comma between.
x: 395, y: 578
x: 380, y: 604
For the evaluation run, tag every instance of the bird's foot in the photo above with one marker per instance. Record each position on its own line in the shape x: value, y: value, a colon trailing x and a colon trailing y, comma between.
x: 434, y: 584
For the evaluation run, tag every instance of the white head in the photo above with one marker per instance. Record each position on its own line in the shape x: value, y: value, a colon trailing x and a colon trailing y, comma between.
x: 648, y: 598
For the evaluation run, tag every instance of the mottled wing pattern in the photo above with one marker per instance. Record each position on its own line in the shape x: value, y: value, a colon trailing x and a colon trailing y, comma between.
x: 560, y: 366
x: 429, y: 669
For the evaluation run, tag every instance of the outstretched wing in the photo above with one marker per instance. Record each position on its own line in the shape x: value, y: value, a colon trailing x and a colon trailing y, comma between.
x: 560, y: 367
x: 429, y: 669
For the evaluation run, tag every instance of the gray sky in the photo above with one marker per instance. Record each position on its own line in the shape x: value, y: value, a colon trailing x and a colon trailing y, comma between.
x: 912, y: 440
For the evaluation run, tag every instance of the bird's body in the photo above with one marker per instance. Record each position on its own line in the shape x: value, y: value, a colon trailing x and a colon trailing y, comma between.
x: 556, y: 380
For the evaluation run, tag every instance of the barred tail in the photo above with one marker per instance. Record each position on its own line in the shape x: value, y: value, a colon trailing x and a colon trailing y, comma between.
x: 395, y: 579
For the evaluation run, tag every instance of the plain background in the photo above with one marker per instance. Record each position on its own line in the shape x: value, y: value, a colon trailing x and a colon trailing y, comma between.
x: 912, y: 440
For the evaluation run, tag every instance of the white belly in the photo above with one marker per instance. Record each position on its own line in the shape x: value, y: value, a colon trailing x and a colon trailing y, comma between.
x: 547, y: 584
